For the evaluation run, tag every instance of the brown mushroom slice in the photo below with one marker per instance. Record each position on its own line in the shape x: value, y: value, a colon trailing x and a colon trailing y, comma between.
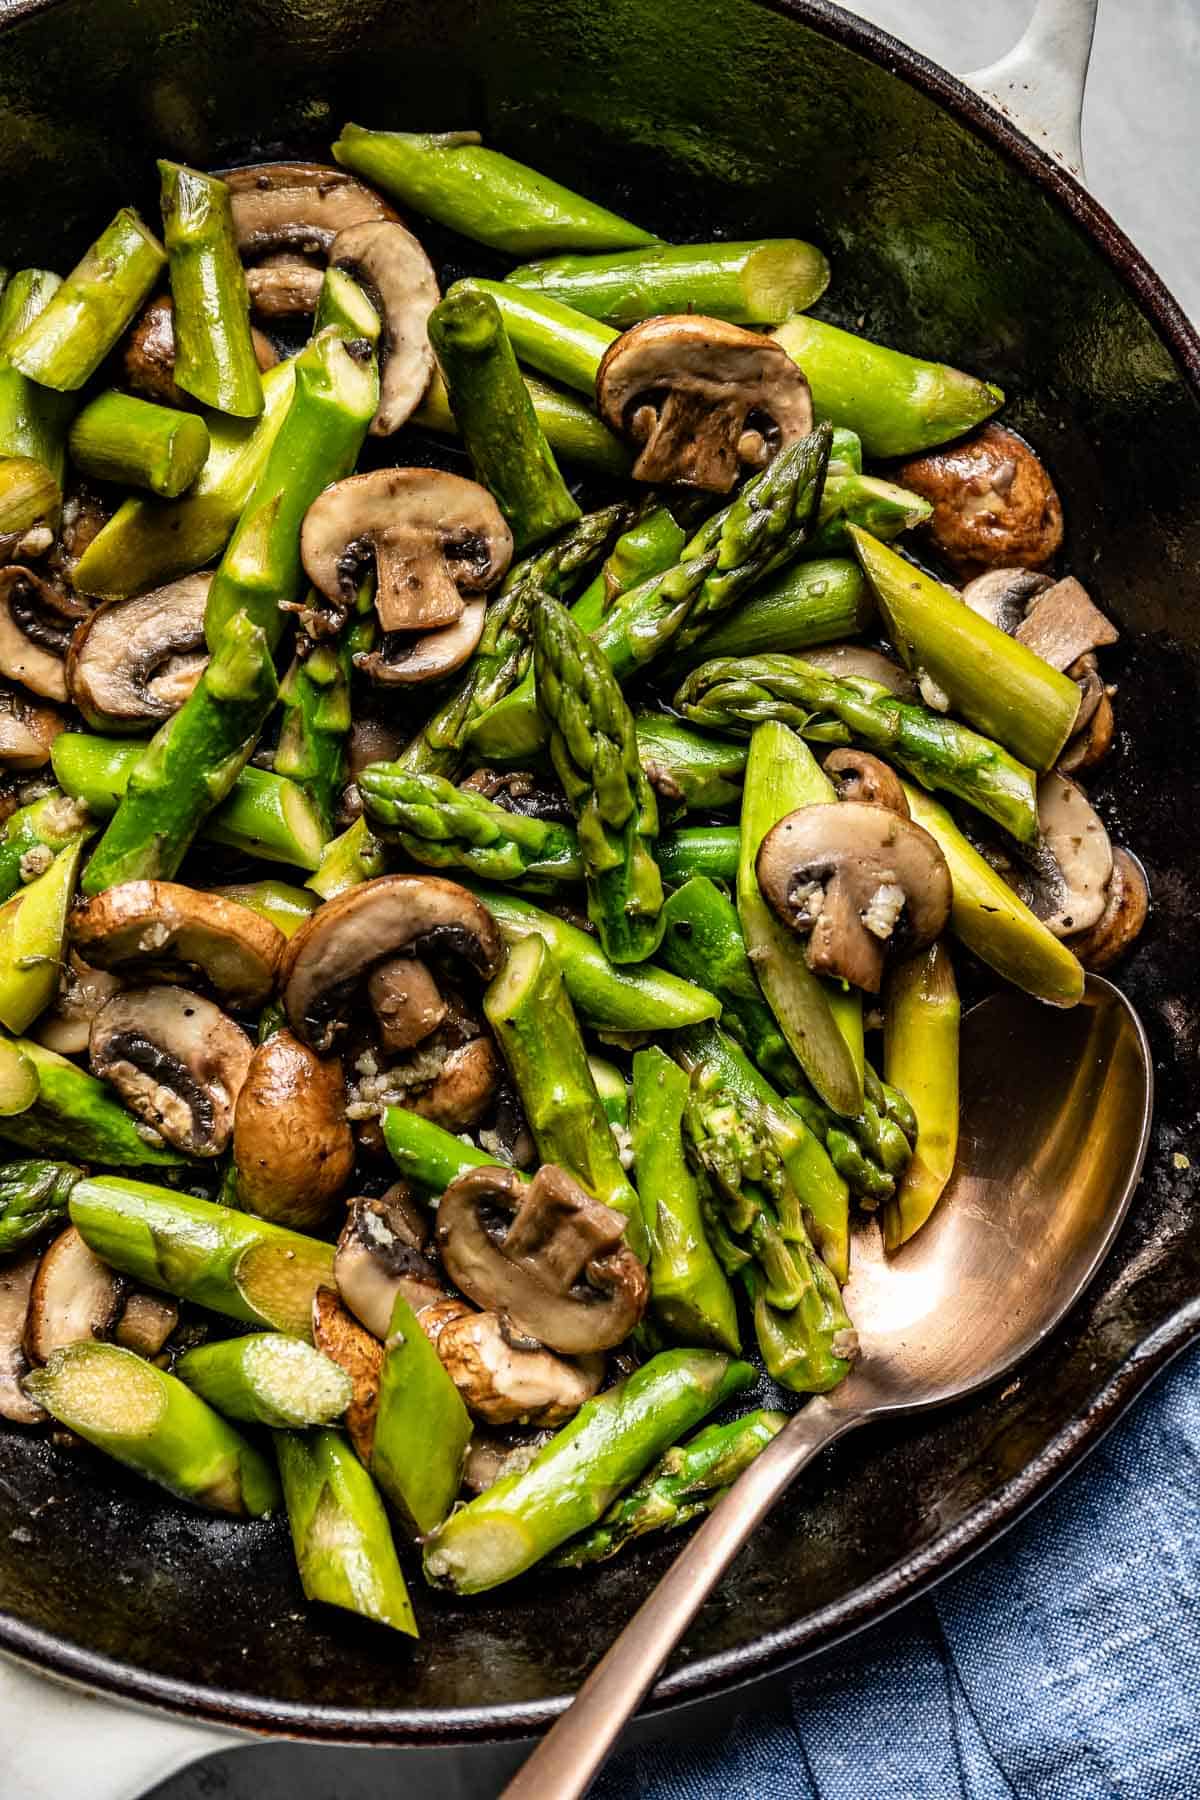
x: 389, y: 262
x: 36, y: 626
x: 507, y: 1380
x: 847, y: 876
x: 994, y: 505
x: 169, y: 931
x: 1063, y: 624
x: 337, y: 947
x: 67, y: 1026
x: 297, y: 206
x: 148, y: 359
x: 177, y: 1061
x: 378, y: 1260
x: 27, y: 730
x: 461, y: 1093
x: 1085, y: 673
x: 703, y: 399
x: 522, y: 792
x: 403, y: 662
x: 345, y: 1342
x: 433, y: 537
x: 857, y: 775
x: 490, y: 1459
x: 406, y: 1001
x: 545, y: 1254
x: 1004, y: 596
x: 1071, y: 865
x: 293, y: 1149
x: 1091, y: 745
x: 283, y: 288
x: 75, y: 1297
x: 843, y: 661
x: 16, y: 1286
x: 146, y: 1322
x: 1126, y: 907
x: 134, y: 662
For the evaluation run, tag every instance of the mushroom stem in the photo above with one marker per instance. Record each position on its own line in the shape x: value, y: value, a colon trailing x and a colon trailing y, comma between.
x: 214, y: 351
x: 33, y: 419
x: 118, y: 437
x: 267, y: 1379
x: 760, y: 282
x: 422, y: 1427
x: 340, y: 1534
x: 69, y: 338
x: 920, y: 1057
x: 75, y: 1115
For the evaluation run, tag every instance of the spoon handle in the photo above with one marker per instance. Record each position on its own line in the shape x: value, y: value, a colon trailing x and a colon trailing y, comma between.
x: 564, y: 1763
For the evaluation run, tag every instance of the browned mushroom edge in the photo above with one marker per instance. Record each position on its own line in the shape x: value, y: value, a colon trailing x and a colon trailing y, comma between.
x: 1064, y: 877
x: 148, y: 357
x: 66, y: 1026
x: 75, y: 1297
x: 993, y: 503
x: 346, y: 1343
x: 505, y: 1379
x: 36, y: 625
x: 176, y: 1060
x: 166, y: 931
x: 134, y: 662
x: 1126, y: 908
x: 857, y: 775
x: 390, y: 264
x: 17, y: 1275
x: 28, y: 729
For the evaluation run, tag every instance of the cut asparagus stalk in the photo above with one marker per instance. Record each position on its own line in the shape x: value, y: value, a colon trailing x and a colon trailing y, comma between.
x: 879, y: 507
x: 33, y: 929
x: 30, y: 500
x: 755, y: 283
x: 803, y: 1356
x: 447, y: 827
x: 706, y: 773
x: 44, y: 827
x: 75, y: 1115
x: 810, y: 603
x: 65, y: 343
x: 267, y: 1379
x: 495, y: 414
x: 896, y: 403
x: 426, y: 1153
x: 230, y: 1262
x: 529, y: 1010
x: 689, y: 1292
x: 920, y: 1057
x: 214, y: 351
x: 344, y: 1550
x: 34, y: 1194
x: 353, y: 856
x: 287, y: 907
x: 997, y: 683
x: 422, y: 1427
x: 552, y: 338
x: 709, y: 850
x: 118, y: 437
x: 612, y: 1088
x: 571, y: 1483
x: 343, y: 303
x: 572, y: 429
x: 33, y: 419
x: 453, y: 178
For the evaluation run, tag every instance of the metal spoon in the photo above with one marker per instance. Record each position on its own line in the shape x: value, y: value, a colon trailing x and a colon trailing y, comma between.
x: 1053, y: 1131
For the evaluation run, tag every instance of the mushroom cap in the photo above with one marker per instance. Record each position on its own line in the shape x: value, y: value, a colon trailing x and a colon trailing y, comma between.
x: 176, y: 1060
x: 337, y: 947
x: 1004, y: 596
x: 406, y: 1001
x: 405, y: 662
x: 699, y: 394
x: 506, y: 1381
x: 843, y: 874
x: 146, y: 1322
x: 27, y: 730
x: 1092, y: 742
x: 148, y: 358
x: 293, y: 1148
x: 463, y: 1089
x: 857, y: 775
x: 377, y: 1260
x: 136, y: 661
x: 993, y: 503
x: 391, y: 265
x: 1126, y: 907
x: 543, y: 1253
x: 36, y: 625
x: 297, y: 206
x: 344, y: 1341
x: 75, y: 1297
x: 166, y: 929
x: 1071, y: 865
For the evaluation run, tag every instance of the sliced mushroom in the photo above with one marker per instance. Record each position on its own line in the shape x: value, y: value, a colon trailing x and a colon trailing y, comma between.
x: 1004, y: 596
x: 843, y: 661
x: 1067, y: 873
x: 75, y: 1297
x: 149, y: 355
x: 432, y: 536
x: 372, y: 740
x: 1063, y: 624
x: 1126, y: 906
x: 857, y: 775
x: 994, y: 505
x: 16, y: 1285
x: 134, y: 662
x: 1085, y: 673
x: 461, y: 1093
x: 519, y: 791
x: 435, y: 1317
x: 146, y: 1322
x: 507, y: 1380
x: 405, y: 661
x: 490, y: 1459
x: 379, y: 1258
x: 406, y: 1001
x: 171, y: 932
x: 36, y: 624
x: 390, y: 264
x: 703, y: 399
x: 1091, y: 745
x: 338, y: 946
x: 27, y: 730
x: 293, y: 1148
x: 67, y: 1027
x: 284, y: 287
x: 176, y: 1060
x: 343, y: 1340
x: 545, y: 1254
x: 295, y: 206
x: 848, y: 876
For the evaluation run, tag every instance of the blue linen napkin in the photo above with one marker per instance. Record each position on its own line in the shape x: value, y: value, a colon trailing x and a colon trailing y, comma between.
x: 1064, y: 1664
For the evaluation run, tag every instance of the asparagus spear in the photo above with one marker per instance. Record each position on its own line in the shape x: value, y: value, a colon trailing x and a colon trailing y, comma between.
x: 755, y: 283
x: 33, y: 1196
x: 228, y: 1261
x: 691, y: 1297
x: 65, y: 343
x: 797, y: 1357
x: 34, y: 834
x: 422, y: 1427
x: 426, y: 1153
x: 189, y: 765
x: 993, y: 680
x: 33, y: 419
x: 353, y: 856
x: 706, y: 773
x: 529, y: 1010
x: 709, y: 850
x: 18, y: 1089
x: 344, y: 1550
x: 151, y: 1422
x: 148, y: 542
x: 852, y: 498
x: 553, y: 338
x: 267, y: 1379
x: 315, y: 698
x: 334, y: 400
x: 484, y: 195
x: 810, y: 603
x: 343, y: 303
x: 285, y: 906
x: 920, y: 1054
x: 33, y: 929
x: 594, y: 748
x: 75, y: 1115
x: 571, y: 1483
x: 494, y: 412
x: 613, y: 1090
x: 936, y: 750
x: 214, y: 352
x: 896, y: 403
x: 265, y: 815
x: 118, y: 437
x: 572, y: 429
x: 446, y: 827
x: 30, y: 502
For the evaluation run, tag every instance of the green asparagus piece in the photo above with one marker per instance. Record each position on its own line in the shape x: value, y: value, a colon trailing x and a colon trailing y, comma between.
x: 228, y: 1261
x: 148, y: 542
x: 425, y: 1153
x: 33, y: 419
x: 422, y: 1427
x: 572, y: 429
x: 997, y: 683
x: 683, y: 1485
x: 989, y: 919
x: 754, y: 283
x: 34, y: 834
x: 811, y: 1348
x: 878, y: 507
x: 710, y: 850
x: 151, y: 1422
x: 315, y: 698
x: 353, y: 856
x: 453, y: 178
x: 705, y: 773
x: 69, y: 338
x: 265, y: 815
x: 33, y: 930
x: 285, y: 906
x: 594, y: 748
x: 214, y: 352
x: 494, y: 412
x: 190, y: 765
x: 572, y: 1482
x: 340, y: 1534
x: 689, y: 1292
x: 608, y: 997
x: 529, y: 1010
x: 18, y: 1087
x: 447, y: 827
x: 920, y: 1055
x: 267, y: 1379
x: 118, y: 437
x: 612, y: 1089
x: 33, y: 1197
x: 29, y: 498
x: 333, y: 403
x: 76, y: 1115
x: 552, y: 338
x: 896, y: 403
x: 810, y: 603
x: 937, y: 751
x: 343, y: 303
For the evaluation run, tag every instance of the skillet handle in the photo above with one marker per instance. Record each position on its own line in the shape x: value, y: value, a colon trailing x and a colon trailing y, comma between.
x: 57, y: 1740
x: 1039, y: 85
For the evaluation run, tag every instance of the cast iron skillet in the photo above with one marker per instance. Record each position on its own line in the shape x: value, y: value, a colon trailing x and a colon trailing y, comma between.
x: 949, y: 236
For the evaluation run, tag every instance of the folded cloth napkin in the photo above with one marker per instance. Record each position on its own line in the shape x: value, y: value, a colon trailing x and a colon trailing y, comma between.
x: 1064, y: 1664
